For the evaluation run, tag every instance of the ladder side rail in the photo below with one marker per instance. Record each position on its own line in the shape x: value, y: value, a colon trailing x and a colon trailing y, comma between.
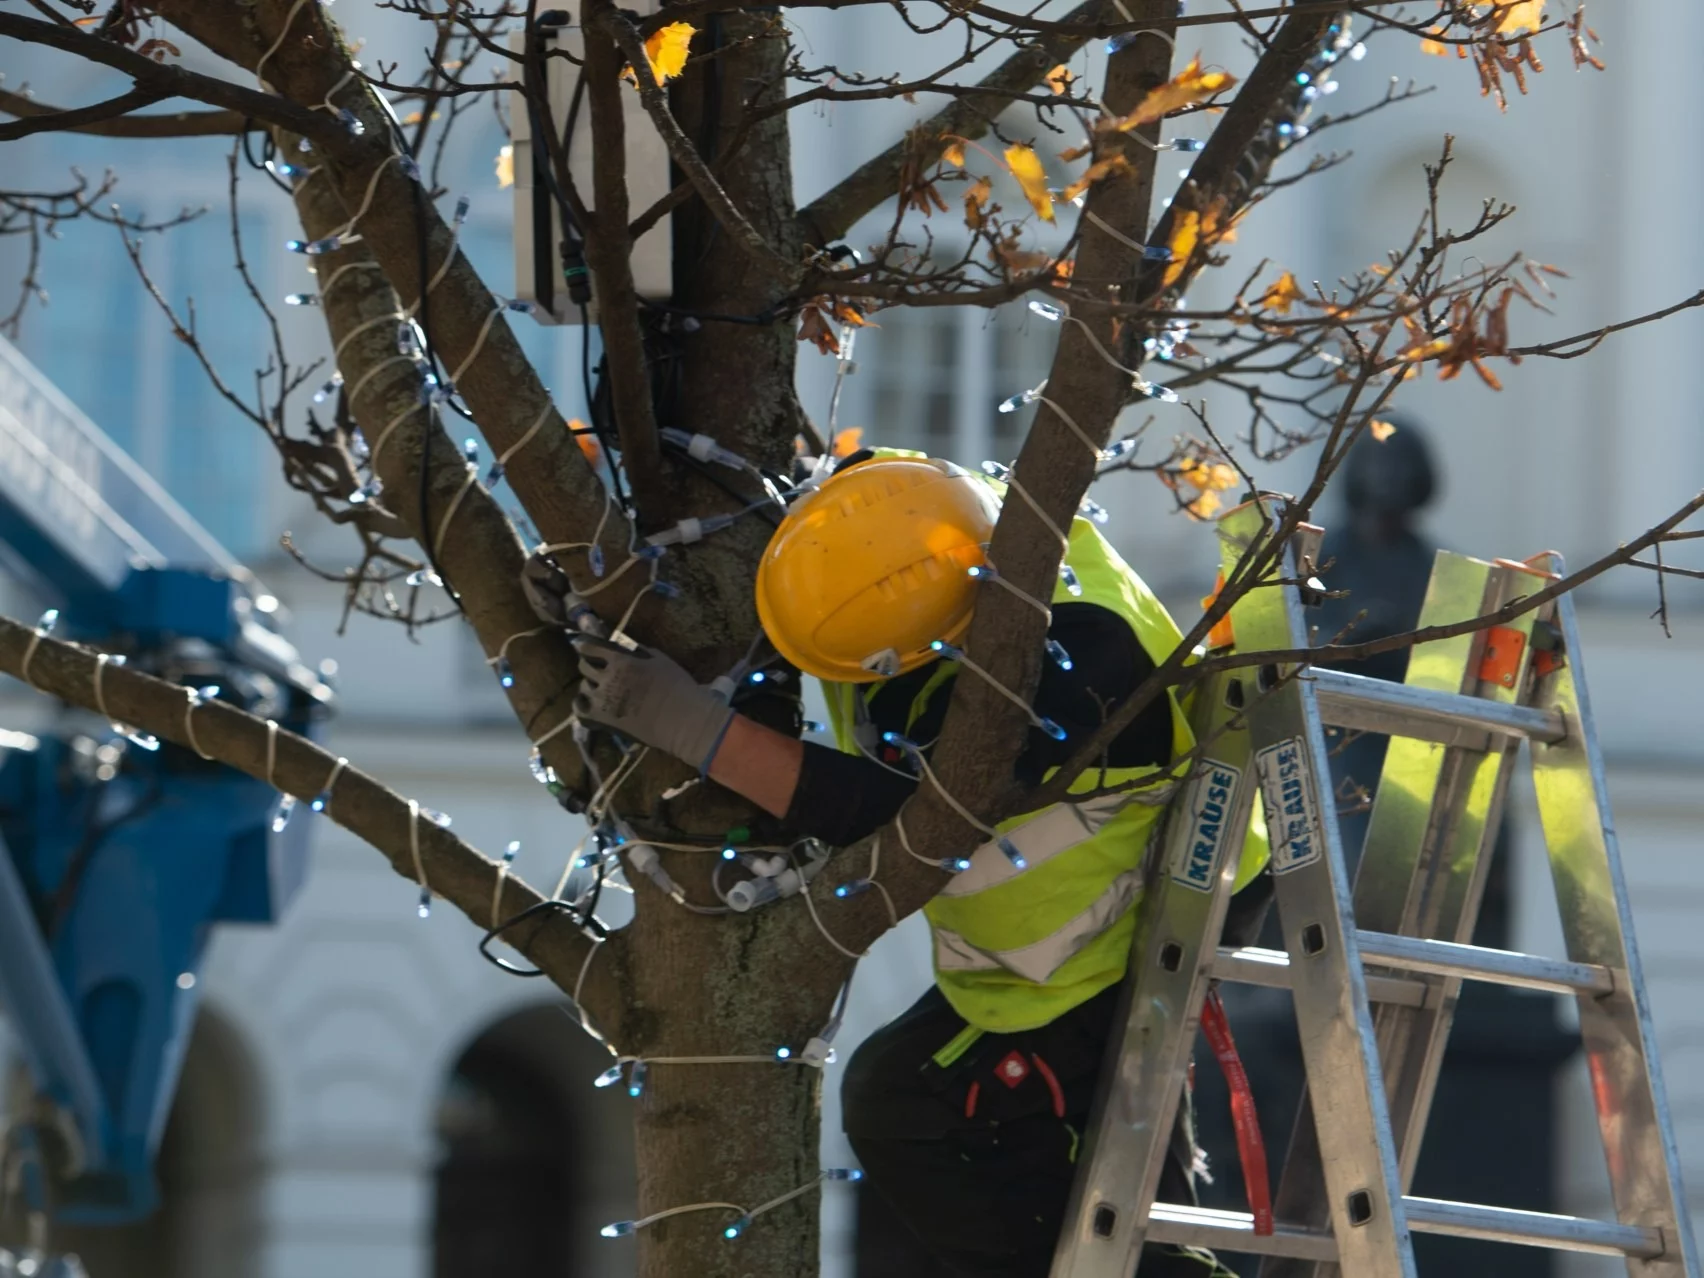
x: 1597, y: 922
x: 1416, y: 804
x: 1312, y: 892
x: 1190, y: 876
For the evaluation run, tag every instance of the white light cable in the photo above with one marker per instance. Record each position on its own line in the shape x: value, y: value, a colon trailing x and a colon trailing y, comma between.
x: 343, y: 232
x: 193, y: 700
x: 419, y: 864
x: 260, y: 66
x: 42, y: 627
x: 393, y: 317
x: 271, y: 751
x: 374, y: 371
x: 322, y: 800
x: 987, y: 571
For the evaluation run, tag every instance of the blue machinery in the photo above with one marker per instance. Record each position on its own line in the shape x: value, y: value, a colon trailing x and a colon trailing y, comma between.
x: 116, y: 859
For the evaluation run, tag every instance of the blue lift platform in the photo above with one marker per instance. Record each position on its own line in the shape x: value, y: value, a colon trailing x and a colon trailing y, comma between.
x: 116, y: 860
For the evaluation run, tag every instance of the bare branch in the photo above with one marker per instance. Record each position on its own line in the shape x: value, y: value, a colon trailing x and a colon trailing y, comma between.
x: 832, y: 214
x: 453, y: 869
x: 173, y: 81
x: 168, y: 124
x: 77, y: 117
x: 626, y: 38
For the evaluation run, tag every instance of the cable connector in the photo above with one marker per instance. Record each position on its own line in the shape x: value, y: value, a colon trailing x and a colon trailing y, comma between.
x: 818, y: 1052
x: 688, y: 531
x: 645, y: 859
x: 748, y: 895
x: 703, y: 448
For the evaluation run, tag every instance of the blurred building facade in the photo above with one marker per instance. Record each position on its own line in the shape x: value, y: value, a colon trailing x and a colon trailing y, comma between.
x: 350, y: 1104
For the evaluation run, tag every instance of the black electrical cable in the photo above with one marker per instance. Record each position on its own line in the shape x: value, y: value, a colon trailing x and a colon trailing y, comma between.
x: 537, y: 908
x: 268, y: 150
x: 575, y: 274
x: 708, y: 471
x: 425, y: 493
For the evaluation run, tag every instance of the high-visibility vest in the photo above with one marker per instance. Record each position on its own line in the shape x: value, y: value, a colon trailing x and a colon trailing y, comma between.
x: 1017, y: 948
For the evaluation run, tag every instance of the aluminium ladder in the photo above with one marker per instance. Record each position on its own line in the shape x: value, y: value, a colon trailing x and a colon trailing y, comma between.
x: 1375, y: 971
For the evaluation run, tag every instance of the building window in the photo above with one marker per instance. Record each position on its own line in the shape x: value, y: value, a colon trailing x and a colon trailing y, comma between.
x: 932, y: 378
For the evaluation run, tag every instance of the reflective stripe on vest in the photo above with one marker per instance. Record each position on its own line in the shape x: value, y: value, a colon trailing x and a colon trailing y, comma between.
x: 1039, y: 961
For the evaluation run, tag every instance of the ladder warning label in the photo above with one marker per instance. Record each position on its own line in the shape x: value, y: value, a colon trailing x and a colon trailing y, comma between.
x: 1292, y: 813
x: 1211, y: 801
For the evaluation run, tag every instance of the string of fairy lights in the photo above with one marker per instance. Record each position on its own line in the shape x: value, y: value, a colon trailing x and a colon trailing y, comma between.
x: 611, y: 848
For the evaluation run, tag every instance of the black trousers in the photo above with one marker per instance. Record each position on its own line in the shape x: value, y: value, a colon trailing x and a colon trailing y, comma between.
x: 977, y: 1154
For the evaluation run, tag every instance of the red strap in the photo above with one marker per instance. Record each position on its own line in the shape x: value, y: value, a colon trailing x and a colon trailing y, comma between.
x: 970, y: 1099
x: 1046, y: 1073
x: 1250, y: 1147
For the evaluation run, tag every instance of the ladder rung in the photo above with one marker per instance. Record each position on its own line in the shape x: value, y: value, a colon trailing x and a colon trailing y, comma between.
x: 1252, y: 965
x: 1398, y: 710
x: 1234, y: 1231
x: 1532, y: 1228
x: 1502, y: 967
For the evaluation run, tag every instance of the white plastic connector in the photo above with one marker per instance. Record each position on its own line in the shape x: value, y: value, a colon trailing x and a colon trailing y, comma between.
x: 819, y: 1052
x: 751, y: 893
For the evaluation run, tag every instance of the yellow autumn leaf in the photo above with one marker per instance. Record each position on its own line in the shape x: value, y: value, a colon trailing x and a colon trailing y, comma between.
x: 1187, y: 87
x: 1185, y: 236
x: 505, y: 166
x: 1059, y: 79
x: 1209, y: 477
x: 1026, y: 167
x: 1436, y: 48
x: 975, y: 196
x: 1094, y: 173
x: 1519, y: 15
x: 954, y: 153
x: 1282, y: 295
x: 1381, y: 431
x: 666, y: 49
x: 1204, y: 506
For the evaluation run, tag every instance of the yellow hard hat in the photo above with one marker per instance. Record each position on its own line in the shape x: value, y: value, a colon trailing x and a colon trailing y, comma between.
x: 867, y: 571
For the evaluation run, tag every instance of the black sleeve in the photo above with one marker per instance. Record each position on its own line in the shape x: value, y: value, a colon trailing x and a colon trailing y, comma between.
x: 1107, y: 665
x: 841, y: 798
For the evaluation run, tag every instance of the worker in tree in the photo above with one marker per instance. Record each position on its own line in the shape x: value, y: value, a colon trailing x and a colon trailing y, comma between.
x: 967, y: 1111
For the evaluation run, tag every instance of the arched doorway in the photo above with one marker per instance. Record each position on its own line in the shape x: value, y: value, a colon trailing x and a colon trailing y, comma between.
x: 208, y: 1222
x: 528, y: 1160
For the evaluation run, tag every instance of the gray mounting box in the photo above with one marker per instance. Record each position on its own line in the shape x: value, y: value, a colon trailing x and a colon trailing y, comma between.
x: 538, y: 215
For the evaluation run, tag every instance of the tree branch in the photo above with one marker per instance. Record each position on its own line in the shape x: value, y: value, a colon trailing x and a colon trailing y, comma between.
x: 76, y: 117
x: 169, y: 124
x: 832, y: 214
x: 495, y: 378
x: 626, y: 38
x: 609, y: 253
x: 472, y: 541
x: 1338, y: 653
x: 174, y: 81
x: 454, y: 870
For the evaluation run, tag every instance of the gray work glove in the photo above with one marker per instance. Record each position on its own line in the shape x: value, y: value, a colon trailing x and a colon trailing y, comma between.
x: 642, y: 694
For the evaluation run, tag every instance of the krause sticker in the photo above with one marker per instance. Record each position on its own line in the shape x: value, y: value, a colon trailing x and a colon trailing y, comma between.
x: 1212, y: 798
x: 1292, y: 812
